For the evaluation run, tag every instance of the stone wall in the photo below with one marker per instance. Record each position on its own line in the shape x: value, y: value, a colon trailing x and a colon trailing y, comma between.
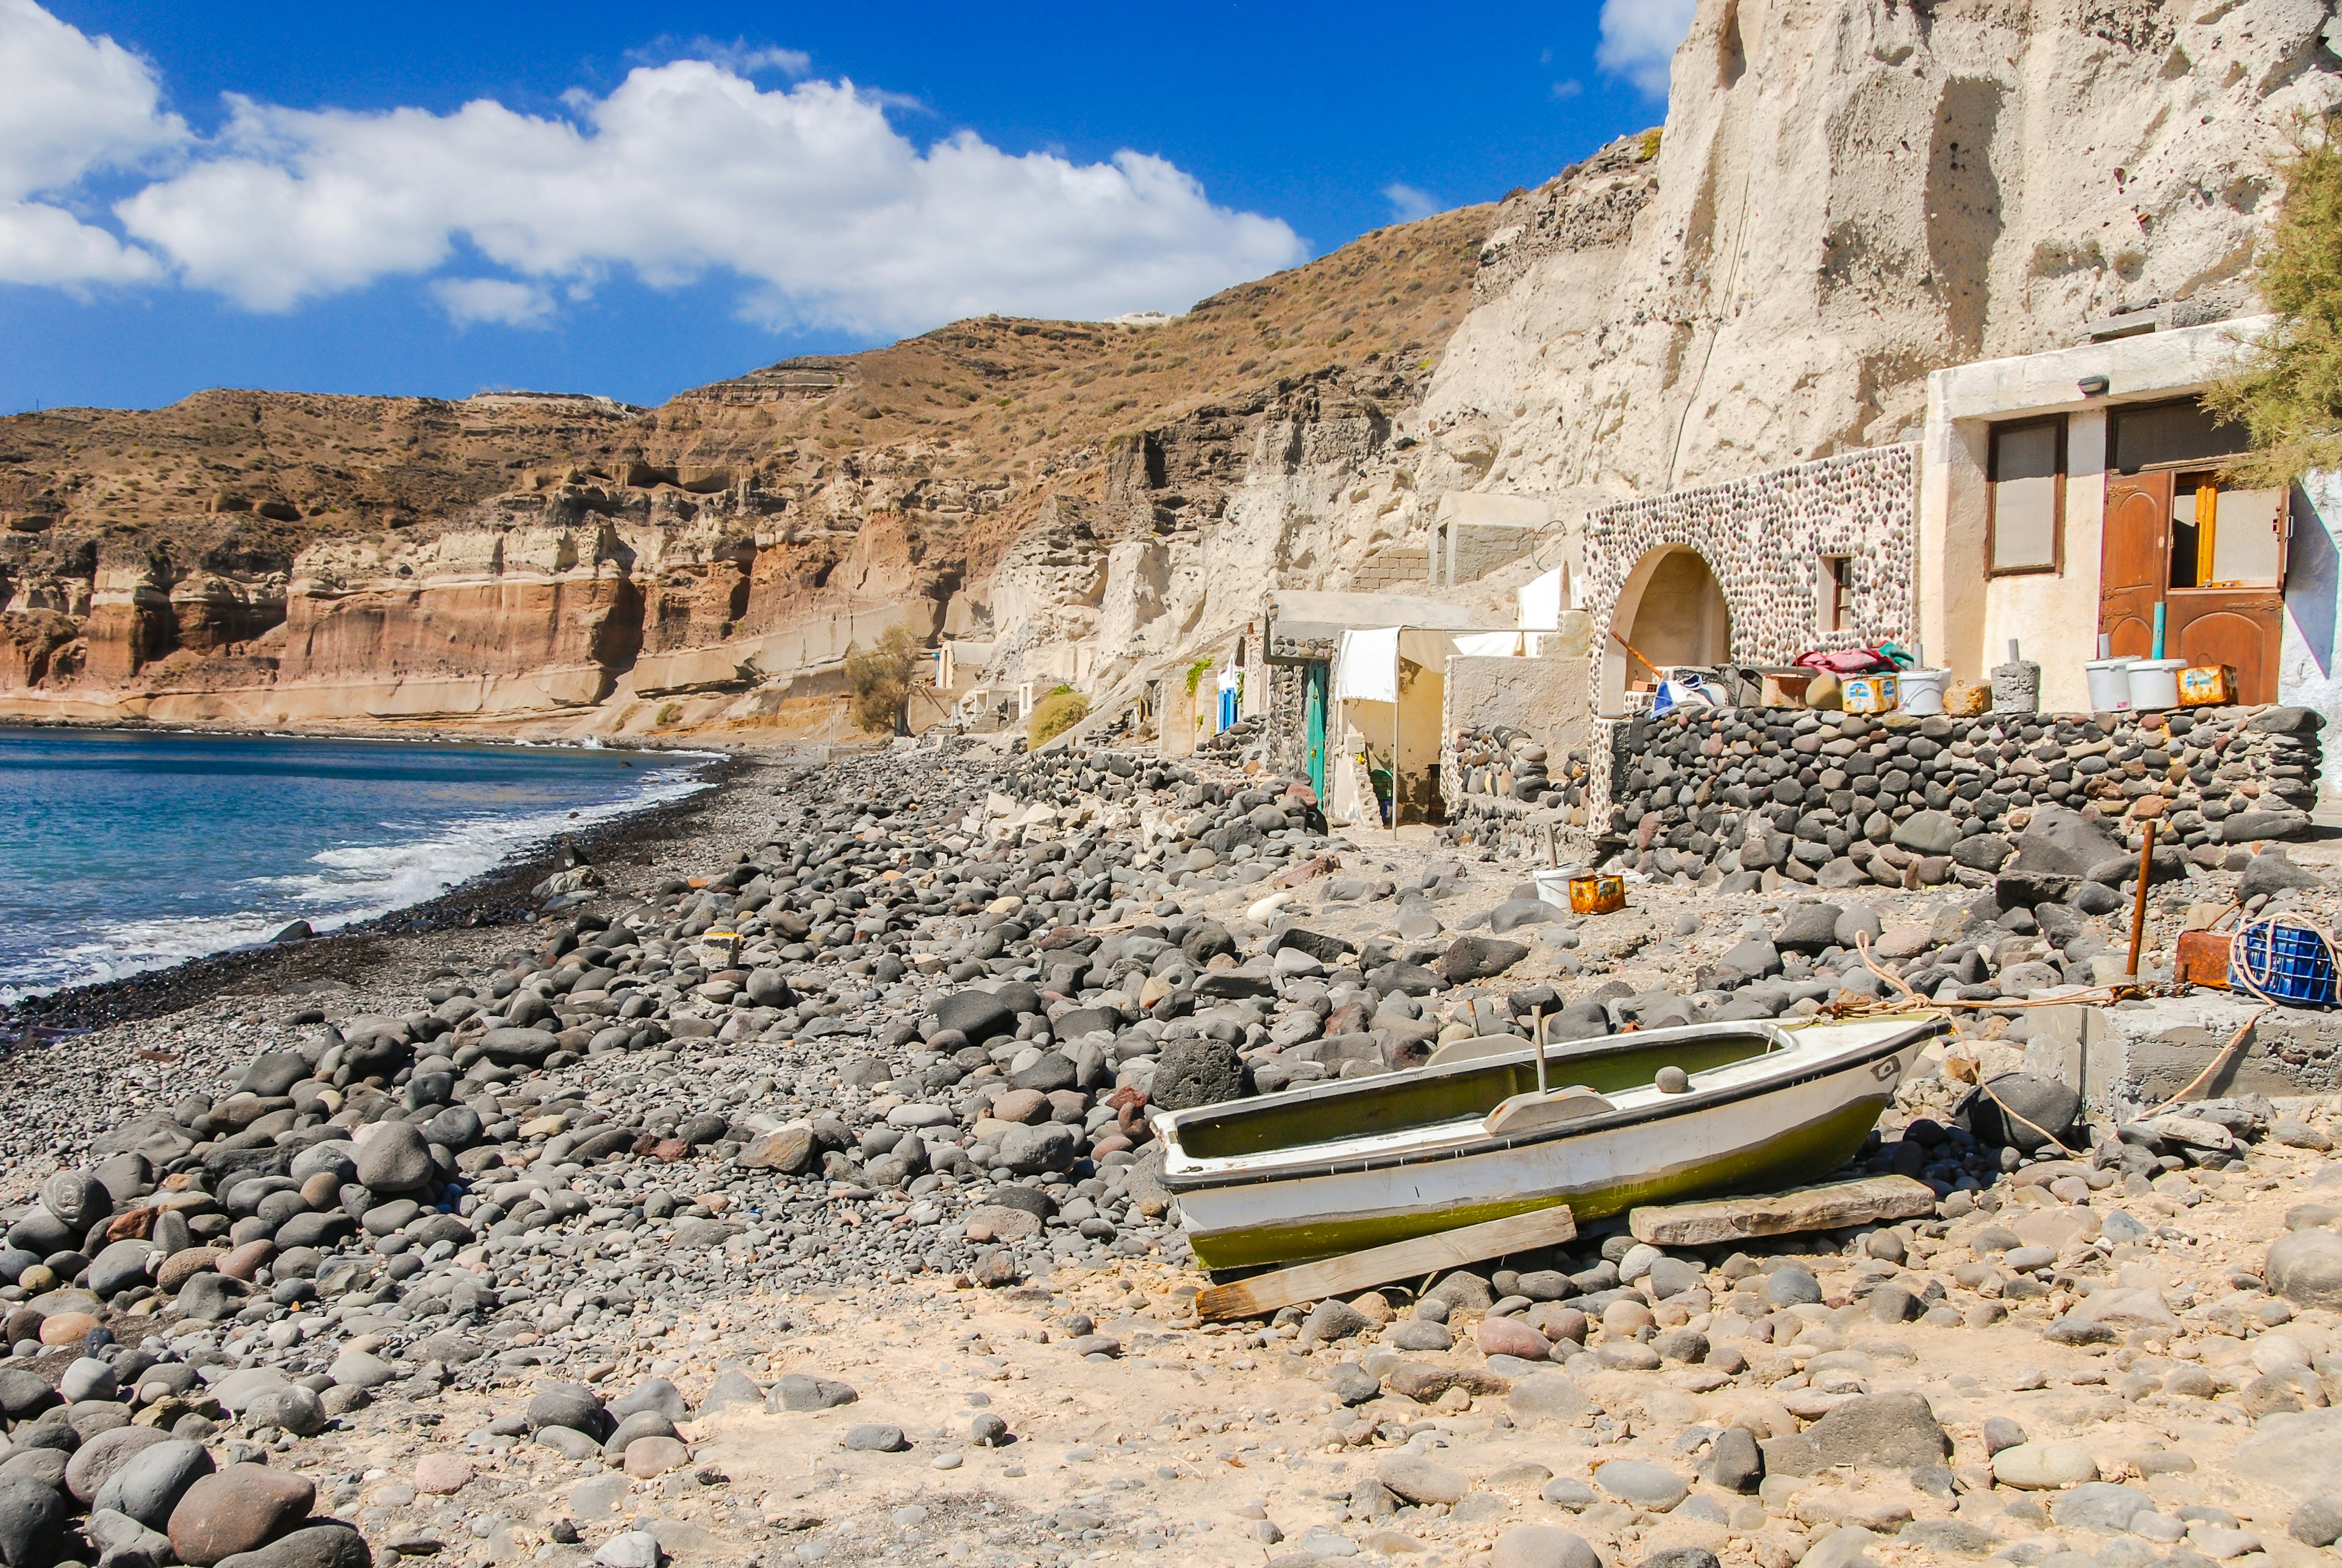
x: 1762, y: 537
x: 1475, y: 550
x: 1845, y: 801
x: 1393, y: 567
x: 1542, y: 697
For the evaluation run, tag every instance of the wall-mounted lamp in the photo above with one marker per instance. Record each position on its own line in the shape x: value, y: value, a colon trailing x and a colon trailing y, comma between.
x: 2093, y: 385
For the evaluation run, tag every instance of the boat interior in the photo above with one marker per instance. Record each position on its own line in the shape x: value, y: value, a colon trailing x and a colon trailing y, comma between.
x: 1501, y: 1091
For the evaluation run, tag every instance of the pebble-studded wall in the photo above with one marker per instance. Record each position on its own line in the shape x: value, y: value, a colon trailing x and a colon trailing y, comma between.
x: 1764, y: 538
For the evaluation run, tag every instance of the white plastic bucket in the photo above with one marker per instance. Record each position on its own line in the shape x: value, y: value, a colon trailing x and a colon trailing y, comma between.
x: 1923, y: 691
x: 1552, y: 884
x: 2154, y: 683
x: 2110, y: 685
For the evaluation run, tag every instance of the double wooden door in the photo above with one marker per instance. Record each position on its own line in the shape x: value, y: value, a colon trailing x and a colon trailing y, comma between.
x: 2236, y: 626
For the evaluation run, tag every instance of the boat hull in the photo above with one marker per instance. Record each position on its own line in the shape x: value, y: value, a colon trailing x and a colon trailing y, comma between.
x: 1787, y: 1135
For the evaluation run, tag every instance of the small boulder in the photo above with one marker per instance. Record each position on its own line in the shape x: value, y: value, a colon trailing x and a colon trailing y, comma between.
x: 1807, y: 928
x: 149, y: 1484
x: 800, y: 1391
x: 1646, y: 1486
x: 30, y: 1516
x: 1332, y: 1320
x: 2271, y: 872
x: 2059, y: 842
x: 2043, y: 1466
x: 1418, y: 1480
x: 322, y: 1545
x: 1541, y: 1547
x: 1471, y: 958
x: 1191, y: 1073
x: 395, y: 1158
x: 2051, y: 1107
x: 2305, y: 1267
x: 240, y: 1508
x: 1929, y: 832
x: 569, y: 1404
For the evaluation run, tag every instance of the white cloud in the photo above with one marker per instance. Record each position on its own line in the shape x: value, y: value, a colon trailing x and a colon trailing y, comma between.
x: 471, y: 300
x: 1408, y: 203
x: 1639, y: 39
x: 69, y: 105
x: 806, y: 194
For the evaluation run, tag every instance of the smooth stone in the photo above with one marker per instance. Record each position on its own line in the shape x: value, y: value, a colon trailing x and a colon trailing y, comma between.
x: 1420, y: 1479
x: 239, y: 1508
x: 1643, y: 1485
x: 2043, y: 1466
x: 149, y: 1485
x: 322, y: 1545
x: 1541, y: 1547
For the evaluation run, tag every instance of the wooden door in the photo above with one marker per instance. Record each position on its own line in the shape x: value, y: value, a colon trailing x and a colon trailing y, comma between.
x: 2135, y: 562
x: 2237, y: 627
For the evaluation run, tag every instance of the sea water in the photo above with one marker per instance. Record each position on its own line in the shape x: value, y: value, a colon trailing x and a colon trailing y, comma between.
x: 122, y: 852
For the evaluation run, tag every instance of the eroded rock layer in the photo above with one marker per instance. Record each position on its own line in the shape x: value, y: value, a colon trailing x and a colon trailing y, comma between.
x: 1847, y: 195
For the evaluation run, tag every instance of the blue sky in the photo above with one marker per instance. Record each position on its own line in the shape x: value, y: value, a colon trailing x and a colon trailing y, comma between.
x: 433, y: 198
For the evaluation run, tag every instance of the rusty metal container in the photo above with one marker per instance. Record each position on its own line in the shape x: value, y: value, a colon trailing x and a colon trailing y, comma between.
x: 1597, y: 895
x: 2202, y: 958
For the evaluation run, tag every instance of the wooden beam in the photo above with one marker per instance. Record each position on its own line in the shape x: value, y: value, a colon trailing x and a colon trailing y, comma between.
x: 1265, y: 1293
x: 1823, y: 1208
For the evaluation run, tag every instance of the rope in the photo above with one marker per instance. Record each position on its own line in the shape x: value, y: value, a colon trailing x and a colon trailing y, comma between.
x: 1967, y: 1070
x: 2228, y: 1054
x: 1860, y: 1007
x: 1960, y: 1069
x: 2241, y: 964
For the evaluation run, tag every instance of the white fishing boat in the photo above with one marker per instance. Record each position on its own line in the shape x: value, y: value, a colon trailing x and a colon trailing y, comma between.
x: 1356, y: 1162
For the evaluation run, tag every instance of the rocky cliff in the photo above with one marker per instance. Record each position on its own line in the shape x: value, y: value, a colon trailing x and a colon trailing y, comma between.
x: 570, y: 563
x: 1846, y: 196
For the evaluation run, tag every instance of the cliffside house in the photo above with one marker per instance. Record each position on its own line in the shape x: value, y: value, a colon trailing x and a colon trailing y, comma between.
x: 2080, y: 492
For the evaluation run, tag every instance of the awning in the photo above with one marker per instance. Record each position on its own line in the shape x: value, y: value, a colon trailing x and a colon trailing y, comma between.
x: 1365, y: 664
x: 1491, y: 644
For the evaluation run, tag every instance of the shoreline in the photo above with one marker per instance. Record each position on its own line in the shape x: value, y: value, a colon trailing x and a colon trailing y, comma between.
x: 498, y: 897
x: 419, y: 732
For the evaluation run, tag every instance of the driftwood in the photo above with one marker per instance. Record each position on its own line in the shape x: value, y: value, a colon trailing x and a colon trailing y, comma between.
x: 1823, y: 1208
x: 1264, y: 1293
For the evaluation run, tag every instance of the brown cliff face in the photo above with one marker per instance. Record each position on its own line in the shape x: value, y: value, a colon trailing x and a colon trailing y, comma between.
x: 523, y: 557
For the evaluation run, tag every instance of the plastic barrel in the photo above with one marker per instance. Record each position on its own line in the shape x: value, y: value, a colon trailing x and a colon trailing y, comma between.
x: 2110, y: 685
x: 2154, y: 683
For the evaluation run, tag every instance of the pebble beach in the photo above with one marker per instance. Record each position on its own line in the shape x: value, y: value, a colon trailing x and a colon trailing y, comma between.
x: 769, y: 1181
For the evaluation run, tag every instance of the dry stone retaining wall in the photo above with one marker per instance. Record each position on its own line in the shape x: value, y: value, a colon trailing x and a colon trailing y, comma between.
x: 1847, y: 801
x: 1764, y: 538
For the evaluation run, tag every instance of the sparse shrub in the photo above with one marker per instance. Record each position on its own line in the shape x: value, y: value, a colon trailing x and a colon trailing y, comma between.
x: 881, y: 679
x: 2290, y: 395
x: 1055, y: 714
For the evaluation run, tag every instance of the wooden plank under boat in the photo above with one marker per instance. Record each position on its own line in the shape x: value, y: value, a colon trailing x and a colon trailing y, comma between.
x: 1356, y: 1162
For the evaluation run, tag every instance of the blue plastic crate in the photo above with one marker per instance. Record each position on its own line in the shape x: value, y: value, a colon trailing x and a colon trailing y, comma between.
x: 2287, y: 963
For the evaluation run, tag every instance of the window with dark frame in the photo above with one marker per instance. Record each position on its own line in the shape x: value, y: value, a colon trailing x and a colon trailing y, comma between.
x: 2025, y: 516
x: 1837, y: 592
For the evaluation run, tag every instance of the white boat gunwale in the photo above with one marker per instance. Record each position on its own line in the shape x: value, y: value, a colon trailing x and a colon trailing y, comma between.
x: 1919, y: 1027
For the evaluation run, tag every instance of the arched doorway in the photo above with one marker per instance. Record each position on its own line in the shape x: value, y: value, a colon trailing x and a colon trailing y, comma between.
x: 1671, y: 611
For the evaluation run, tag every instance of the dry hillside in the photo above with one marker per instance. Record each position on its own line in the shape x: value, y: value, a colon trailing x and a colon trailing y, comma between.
x: 225, y: 477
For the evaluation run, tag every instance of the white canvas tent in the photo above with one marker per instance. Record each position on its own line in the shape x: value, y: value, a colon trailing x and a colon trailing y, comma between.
x: 1386, y: 687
